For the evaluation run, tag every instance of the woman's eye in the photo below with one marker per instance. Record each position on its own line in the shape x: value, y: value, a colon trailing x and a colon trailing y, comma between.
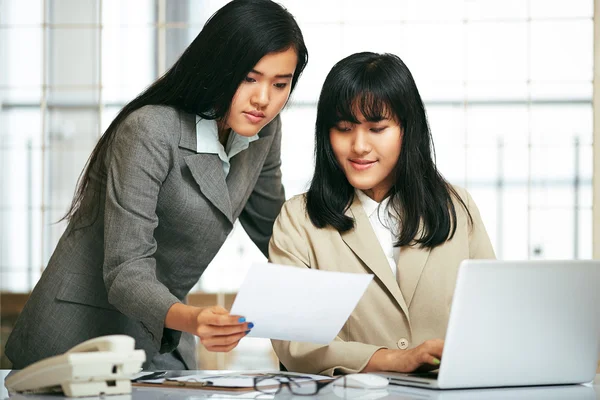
x: 378, y: 129
x: 249, y: 79
x: 342, y: 128
x: 281, y: 85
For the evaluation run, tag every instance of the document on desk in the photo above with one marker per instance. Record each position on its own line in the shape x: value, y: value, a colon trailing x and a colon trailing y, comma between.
x: 298, y: 304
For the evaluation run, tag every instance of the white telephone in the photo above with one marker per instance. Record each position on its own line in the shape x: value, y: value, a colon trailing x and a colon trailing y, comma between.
x: 103, y: 365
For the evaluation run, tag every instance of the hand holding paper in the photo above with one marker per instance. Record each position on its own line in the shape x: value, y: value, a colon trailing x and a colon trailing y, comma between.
x: 298, y: 304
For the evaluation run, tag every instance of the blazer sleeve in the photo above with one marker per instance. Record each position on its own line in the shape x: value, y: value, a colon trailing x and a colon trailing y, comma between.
x: 480, y: 246
x: 136, y: 167
x: 289, y: 246
x: 266, y: 198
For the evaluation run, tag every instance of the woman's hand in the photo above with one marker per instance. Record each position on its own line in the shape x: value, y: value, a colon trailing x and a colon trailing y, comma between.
x: 424, y: 357
x: 217, y: 329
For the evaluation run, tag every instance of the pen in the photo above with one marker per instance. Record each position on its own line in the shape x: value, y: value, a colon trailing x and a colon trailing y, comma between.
x: 153, y: 375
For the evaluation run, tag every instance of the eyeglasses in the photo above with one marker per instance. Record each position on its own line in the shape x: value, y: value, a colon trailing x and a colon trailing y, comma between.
x: 297, y: 385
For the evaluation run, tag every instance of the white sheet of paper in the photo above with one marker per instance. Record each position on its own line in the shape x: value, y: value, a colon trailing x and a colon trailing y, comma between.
x: 298, y: 304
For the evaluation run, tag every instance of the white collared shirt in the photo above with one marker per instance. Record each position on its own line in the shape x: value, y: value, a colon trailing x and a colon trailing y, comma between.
x: 207, y: 141
x: 381, y: 222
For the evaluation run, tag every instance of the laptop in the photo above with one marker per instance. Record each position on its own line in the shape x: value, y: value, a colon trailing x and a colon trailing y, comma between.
x: 518, y: 323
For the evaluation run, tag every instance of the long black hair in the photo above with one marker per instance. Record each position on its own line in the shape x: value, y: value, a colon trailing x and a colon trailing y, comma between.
x: 205, y: 78
x: 381, y: 86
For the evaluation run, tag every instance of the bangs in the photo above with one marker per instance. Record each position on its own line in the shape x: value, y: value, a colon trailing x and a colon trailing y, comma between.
x: 360, y: 99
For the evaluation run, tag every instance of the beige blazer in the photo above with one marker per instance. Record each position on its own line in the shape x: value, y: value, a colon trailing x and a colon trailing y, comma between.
x: 394, y: 314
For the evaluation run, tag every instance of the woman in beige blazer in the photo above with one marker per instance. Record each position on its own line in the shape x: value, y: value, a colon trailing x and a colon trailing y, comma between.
x: 377, y: 205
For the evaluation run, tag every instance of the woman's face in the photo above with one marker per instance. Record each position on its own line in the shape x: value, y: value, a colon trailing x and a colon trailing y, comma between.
x: 263, y: 93
x: 367, y: 153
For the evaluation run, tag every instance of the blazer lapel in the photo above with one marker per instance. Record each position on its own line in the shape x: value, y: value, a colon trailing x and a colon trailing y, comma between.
x: 206, y: 169
x: 411, y: 261
x: 245, y: 166
x: 363, y: 242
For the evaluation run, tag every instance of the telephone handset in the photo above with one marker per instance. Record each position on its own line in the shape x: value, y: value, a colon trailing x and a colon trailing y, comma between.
x: 103, y: 365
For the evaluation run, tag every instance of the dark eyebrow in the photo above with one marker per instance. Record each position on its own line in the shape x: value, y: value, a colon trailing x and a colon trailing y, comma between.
x: 276, y: 76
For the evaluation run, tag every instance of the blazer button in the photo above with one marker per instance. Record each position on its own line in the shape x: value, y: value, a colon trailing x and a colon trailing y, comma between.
x: 403, y: 344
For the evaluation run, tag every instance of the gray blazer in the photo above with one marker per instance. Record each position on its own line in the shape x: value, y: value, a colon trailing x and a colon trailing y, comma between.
x: 164, y: 212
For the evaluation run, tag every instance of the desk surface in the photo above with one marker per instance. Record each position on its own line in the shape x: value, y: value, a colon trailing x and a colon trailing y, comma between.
x: 574, y: 392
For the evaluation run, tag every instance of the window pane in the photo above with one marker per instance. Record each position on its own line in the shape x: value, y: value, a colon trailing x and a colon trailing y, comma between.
x: 447, y: 125
x: 20, y: 97
x: 433, y: 10
x: 561, y: 50
x: 514, y: 167
x: 482, y: 164
x: 498, y: 125
x: 322, y: 59
x: 584, y: 233
x: 553, y: 194
x: 553, y: 164
x: 513, y: 233
x: 70, y: 47
x: 377, y: 11
x: 20, y: 252
x: 561, y: 92
x: 486, y: 198
x: 585, y: 198
x: 305, y: 12
x: 16, y: 281
x: 559, y: 124
x: 451, y: 162
x: 445, y: 46
x: 297, y: 148
x: 128, y: 62
x: 391, y: 38
x: 14, y: 70
x: 434, y: 91
x: 177, y: 40
x: 72, y: 128
x: 20, y: 127
x: 21, y: 12
x: 72, y: 136
x: 107, y: 117
x: 477, y: 10
x: 552, y: 233
x: 584, y: 170
x: 76, y: 98
x: 561, y: 9
x: 191, y: 12
x: 497, y: 92
x: 129, y: 13
x: 72, y: 11
x: 22, y: 187
x: 497, y: 51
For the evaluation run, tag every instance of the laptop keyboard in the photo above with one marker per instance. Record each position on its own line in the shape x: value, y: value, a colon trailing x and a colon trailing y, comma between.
x: 428, y: 375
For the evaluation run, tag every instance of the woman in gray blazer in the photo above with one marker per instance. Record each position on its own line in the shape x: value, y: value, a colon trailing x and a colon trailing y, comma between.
x: 161, y: 191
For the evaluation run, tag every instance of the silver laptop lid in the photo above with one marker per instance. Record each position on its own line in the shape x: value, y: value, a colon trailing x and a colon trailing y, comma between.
x: 515, y: 323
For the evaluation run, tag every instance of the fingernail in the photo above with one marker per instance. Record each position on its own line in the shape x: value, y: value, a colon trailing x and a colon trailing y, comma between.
x: 250, y: 325
x: 247, y: 332
x: 436, y: 361
x: 242, y: 320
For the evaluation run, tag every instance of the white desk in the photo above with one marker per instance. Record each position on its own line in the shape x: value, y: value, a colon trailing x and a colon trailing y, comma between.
x: 578, y: 392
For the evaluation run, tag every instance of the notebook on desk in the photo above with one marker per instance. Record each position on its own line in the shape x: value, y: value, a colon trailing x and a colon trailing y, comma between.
x: 519, y: 323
